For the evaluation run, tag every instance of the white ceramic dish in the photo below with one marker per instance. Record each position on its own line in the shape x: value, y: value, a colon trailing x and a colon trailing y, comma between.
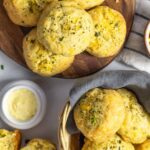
x: 147, y: 38
x: 41, y: 101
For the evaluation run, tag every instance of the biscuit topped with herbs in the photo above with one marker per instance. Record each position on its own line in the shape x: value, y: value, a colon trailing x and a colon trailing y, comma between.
x: 110, y: 32
x: 136, y: 126
x: 65, y: 29
x: 87, y: 4
x: 25, y: 12
x: 99, y: 114
x: 41, y: 60
x: 9, y: 140
x: 39, y: 144
x: 114, y: 143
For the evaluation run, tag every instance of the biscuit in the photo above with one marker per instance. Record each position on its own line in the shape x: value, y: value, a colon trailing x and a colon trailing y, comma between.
x: 99, y: 114
x: 65, y: 3
x: 115, y: 143
x: 9, y: 140
x: 42, y: 61
x: 40, y: 144
x: 143, y: 146
x: 87, y: 4
x: 110, y: 32
x: 65, y: 29
x: 25, y: 12
x: 136, y: 125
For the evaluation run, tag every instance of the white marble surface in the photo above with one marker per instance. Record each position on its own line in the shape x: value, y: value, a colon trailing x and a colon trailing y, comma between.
x: 57, y: 91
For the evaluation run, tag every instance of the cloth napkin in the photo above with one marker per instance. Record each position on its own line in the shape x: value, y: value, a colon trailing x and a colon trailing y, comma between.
x: 135, y: 53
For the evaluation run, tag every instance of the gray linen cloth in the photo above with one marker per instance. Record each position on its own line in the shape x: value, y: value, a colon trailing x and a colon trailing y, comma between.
x: 135, y: 53
x: 138, y: 82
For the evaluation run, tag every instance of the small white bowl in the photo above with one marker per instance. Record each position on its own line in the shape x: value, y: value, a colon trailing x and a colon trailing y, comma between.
x: 41, y: 101
x: 147, y: 37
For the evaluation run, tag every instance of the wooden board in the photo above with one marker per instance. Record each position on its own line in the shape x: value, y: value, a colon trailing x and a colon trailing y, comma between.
x: 11, y: 37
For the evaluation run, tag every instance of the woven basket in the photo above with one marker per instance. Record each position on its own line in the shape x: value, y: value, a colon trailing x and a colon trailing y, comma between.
x: 137, y: 82
x: 67, y: 141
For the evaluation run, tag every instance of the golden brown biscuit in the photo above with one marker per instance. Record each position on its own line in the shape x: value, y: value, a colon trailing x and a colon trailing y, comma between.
x: 42, y: 61
x: 39, y: 144
x: 136, y: 126
x: 65, y: 29
x: 9, y: 140
x: 65, y: 3
x: 87, y: 4
x: 99, y: 114
x: 110, y: 32
x: 115, y: 143
x: 143, y: 146
x: 25, y: 12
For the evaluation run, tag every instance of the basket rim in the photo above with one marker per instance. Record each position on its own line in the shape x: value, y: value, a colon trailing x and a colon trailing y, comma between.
x: 63, y: 135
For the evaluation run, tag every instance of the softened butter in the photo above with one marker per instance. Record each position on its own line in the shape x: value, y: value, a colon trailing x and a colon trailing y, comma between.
x: 22, y: 104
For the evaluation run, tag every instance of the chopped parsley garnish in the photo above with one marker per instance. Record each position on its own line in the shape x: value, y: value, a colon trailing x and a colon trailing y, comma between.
x: 2, y: 67
x: 61, y: 39
x: 96, y: 25
x: 116, y: 24
x: 97, y: 34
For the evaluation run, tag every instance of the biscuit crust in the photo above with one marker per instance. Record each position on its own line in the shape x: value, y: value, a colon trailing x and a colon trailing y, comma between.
x: 10, y: 140
x: 87, y: 4
x: 93, y: 114
x: 40, y: 144
x: 115, y: 143
x: 143, y: 146
x: 110, y: 32
x: 42, y: 61
x: 136, y: 126
x: 25, y: 12
x: 65, y: 28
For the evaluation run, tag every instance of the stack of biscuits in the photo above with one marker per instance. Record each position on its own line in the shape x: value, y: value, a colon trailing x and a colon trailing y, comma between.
x: 112, y: 120
x: 64, y: 29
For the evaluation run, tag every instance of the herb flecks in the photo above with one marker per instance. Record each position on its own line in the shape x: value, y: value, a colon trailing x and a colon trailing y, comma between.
x: 97, y: 34
x: 1, y: 67
x: 61, y: 39
x: 116, y: 24
x: 96, y: 25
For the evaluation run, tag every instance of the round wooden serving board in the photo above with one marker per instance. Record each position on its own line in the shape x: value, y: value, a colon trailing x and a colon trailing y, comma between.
x: 11, y: 37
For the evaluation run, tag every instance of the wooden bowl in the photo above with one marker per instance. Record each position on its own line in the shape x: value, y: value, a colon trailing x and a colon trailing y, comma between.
x: 147, y: 38
x: 11, y: 37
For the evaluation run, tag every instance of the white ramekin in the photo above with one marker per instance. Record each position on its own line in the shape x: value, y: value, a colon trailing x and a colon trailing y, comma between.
x: 147, y: 34
x: 41, y: 101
